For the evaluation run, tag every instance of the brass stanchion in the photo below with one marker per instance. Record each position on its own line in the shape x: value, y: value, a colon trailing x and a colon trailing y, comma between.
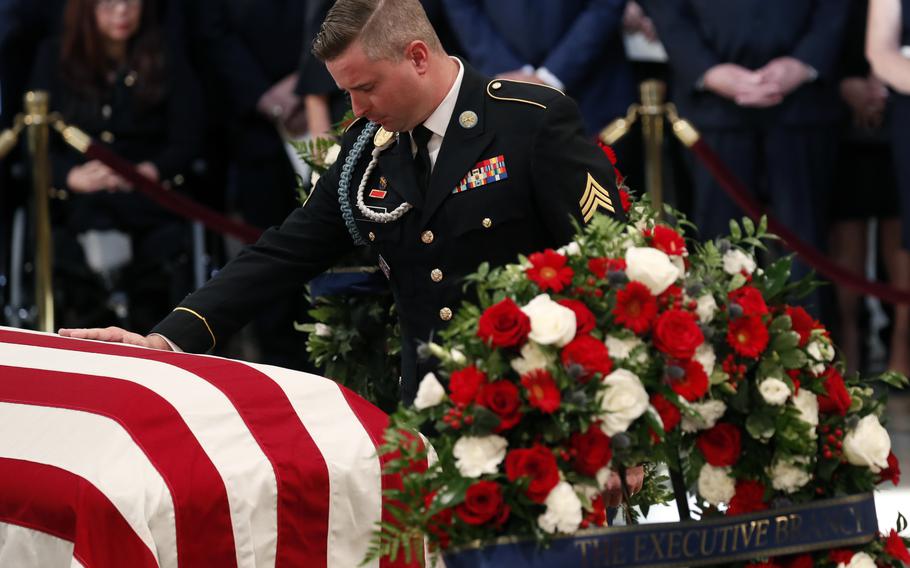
x: 36, y: 120
x: 653, y: 93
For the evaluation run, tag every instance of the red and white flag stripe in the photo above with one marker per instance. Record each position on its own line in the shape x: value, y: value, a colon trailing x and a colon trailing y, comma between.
x: 173, y: 459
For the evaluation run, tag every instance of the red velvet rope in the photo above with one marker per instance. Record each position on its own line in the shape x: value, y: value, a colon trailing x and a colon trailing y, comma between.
x: 171, y: 200
x: 812, y: 256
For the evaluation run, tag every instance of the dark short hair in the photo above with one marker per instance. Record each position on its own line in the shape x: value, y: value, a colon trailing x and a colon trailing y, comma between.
x: 384, y: 28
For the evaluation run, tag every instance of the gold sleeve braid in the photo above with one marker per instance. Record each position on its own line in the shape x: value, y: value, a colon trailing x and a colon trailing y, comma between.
x: 204, y: 322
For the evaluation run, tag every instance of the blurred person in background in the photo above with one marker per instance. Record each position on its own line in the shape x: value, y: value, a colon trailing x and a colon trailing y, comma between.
x: 112, y: 75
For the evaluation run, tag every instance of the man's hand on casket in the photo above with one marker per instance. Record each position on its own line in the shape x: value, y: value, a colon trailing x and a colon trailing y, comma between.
x: 612, y: 493
x: 118, y: 335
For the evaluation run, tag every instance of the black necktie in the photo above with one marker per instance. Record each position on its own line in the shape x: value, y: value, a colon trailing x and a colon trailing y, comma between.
x: 421, y: 135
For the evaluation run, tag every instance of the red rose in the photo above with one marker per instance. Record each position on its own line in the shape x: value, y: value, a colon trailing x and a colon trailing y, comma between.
x: 837, y: 401
x: 502, y: 398
x: 669, y: 413
x: 584, y: 318
x: 483, y: 504
x: 464, y: 385
x: 748, y: 336
x: 590, y: 450
x: 677, y: 334
x: 670, y: 296
x: 541, y: 390
x: 665, y: 239
x: 537, y: 463
x: 750, y: 300
x: 721, y: 445
x: 600, y: 266
x: 896, y: 548
x: 549, y: 271
x: 590, y: 354
x: 893, y: 472
x: 800, y: 561
x: 840, y: 555
x: 802, y: 323
x: 504, y: 325
x: 636, y: 307
x: 749, y: 497
x: 694, y: 384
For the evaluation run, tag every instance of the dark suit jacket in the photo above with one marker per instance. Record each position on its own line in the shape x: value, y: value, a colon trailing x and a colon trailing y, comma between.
x: 579, y: 41
x: 699, y: 34
x: 549, y: 164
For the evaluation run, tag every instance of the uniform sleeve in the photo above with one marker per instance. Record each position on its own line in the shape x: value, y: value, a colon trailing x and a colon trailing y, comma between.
x: 573, y: 177
x: 678, y: 32
x: 285, y: 258
x: 485, y: 47
x: 820, y: 45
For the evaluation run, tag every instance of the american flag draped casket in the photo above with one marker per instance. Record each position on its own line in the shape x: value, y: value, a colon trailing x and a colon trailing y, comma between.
x: 113, y: 455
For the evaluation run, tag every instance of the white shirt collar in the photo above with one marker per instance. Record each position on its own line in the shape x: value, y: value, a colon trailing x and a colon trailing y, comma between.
x: 438, y: 122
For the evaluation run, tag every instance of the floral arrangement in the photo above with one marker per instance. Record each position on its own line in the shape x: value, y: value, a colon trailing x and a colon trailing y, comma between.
x: 633, y: 345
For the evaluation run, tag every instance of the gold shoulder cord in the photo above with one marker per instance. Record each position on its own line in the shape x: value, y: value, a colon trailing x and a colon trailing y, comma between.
x: 204, y: 321
x: 353, y: 122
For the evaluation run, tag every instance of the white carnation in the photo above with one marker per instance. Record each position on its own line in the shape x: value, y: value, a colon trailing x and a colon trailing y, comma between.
x: 715, y: 484
x: 820, y: 350
x: 475, y: 456
x: 868, y: 444
x: 429, y: 393
x: 859, y: 560
x: 709, y: 411
x: 620, y: 348
x: 706, y: 308
x: 789, y: 476
x: 651, y: 267
x: 458, y: 357
x: 563, y: 512
x: 625, y: 400
x: 736, y: 261
x: 705, y: 355
x: 807, y: 404
x: 774, y: 391
x: 322, y: 330
x: 571, y: 249
x: 331, y: 155
x: 551, y: 323
x: 532, y: 357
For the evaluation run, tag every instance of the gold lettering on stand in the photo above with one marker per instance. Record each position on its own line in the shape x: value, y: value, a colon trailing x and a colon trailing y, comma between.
x: 673, y: 544
x: 619, y: 553
x: 781, y: 529
x: 723, y: 543
x: 583, y: 544
x: 705, y: 551
x: 762, y: 538
x: 686, y: 552
x: 655, y: 540
x: 640, y: 548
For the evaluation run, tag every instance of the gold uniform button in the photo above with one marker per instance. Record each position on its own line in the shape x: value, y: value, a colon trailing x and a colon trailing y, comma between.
x: 427, y: 237
x: 371, y: 236
x: 436, y: 275
x: 107, y: 136
x: 445, y: 314
x: 487, y: 222
x: 496, y: 85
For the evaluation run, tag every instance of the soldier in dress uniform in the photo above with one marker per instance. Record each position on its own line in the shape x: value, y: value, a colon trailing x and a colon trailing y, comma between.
x: 443, y: 170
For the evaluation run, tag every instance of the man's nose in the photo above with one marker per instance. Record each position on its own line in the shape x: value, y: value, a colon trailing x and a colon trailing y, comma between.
x: 358, y: 105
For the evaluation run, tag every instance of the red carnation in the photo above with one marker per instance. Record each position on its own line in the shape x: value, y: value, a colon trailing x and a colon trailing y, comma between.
x: 600, y: 266
x: 504, y: 325
x: 537, y: 463
x: 669, y: 413
x: 749, y: 497
x: 626, y: 199
x: 895, y: 547
x: 841, y: 555
x: 584, y: 318
x: 541, y: 390
x: 483, y: 504
x: 802, y: 323
x: 694, y: 384
x: 837, y: 400
x: 748, y: 336
x: 636, y: 307
x: 750, y: 300
x: 893, y: 472
x: 502, y: 398
x: 591, y: 450
x: 549, y: 271
x: 598, y: 515
x: 611, y: 154
x: 677, y: 334
x: 464, y: 385
x: 721, y: 445
x: 667, y: 240
x: 590, y: 354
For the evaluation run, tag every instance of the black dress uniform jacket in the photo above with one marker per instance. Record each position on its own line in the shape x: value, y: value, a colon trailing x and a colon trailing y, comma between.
x: 549, y: 164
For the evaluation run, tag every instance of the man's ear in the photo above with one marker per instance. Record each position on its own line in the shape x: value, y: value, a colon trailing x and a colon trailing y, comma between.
x: 418, y: 54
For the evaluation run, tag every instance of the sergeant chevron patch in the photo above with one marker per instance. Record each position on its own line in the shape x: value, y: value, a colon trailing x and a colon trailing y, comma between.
x: 595, y: 196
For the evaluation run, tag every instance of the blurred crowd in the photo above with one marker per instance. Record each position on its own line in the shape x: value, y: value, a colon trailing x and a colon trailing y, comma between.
x: 806, y: 101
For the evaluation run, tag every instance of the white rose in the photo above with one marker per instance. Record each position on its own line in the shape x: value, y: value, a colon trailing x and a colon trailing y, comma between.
x: 314, y: 177
x: 563, y: 512
x: 322, y: 330
x: 859, y: 560
x: 706, y: 356
x: 571, y: 249
x: 625, y: 400
x: 532, y: 357
x: 651, y: 267
x: 715, y: 484
x: 680, y: 264
x: 475, y: 456
x: 705, y: 308
x: 868, y: 444
x: 331, y: 155
x: 789, y: 476
x: 709, y: 411
x: 807, y: 404
x: 458, y: 357
x: 774, y: 391
x: 551, y: 323
x: 429, y: 393
x: 820, y: 350
x: 736, y: 261
x: 620, y: 348
x: 817, y: 368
